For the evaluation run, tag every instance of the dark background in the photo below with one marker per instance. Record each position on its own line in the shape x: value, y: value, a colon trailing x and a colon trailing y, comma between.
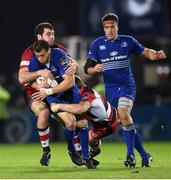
x: 19, y: 18
x: 72, y: 18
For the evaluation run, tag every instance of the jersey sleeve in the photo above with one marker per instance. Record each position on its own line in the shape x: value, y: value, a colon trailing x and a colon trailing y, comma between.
x: 137, y: 48
x: 26, y: 57
x: 59, y: 46
x: 62, y: 60
x: 92, y: 54
x: 33, y: 65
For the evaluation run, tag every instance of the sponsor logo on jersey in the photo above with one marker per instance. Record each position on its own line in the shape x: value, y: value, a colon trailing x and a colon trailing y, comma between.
x: 102, y: 47
x: 114, y: 53
x: 124, y: 44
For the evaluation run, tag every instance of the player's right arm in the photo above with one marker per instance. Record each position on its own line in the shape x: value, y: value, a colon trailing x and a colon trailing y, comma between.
x: 80, y: 108
x: 92, y: 67
x: 24, y: 76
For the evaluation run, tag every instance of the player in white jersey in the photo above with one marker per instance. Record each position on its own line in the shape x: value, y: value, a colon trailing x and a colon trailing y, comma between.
x: 95, y: 108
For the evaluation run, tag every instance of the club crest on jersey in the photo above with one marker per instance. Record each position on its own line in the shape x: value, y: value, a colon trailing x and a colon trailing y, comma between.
x: 53, y: 68
x: 124, y: 44
x: 102, y: 47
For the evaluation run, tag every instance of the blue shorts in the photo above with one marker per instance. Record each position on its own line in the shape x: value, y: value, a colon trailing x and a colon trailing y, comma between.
x: 64, y: 98
x: 114, y: 93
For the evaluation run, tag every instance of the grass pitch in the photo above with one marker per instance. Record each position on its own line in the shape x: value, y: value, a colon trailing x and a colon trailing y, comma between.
x: 22, y: 161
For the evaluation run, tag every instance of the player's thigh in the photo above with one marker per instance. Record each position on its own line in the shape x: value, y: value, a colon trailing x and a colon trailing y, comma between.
x: 39, y: 107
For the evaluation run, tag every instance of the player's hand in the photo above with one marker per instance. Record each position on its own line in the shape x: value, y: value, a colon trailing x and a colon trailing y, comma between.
x: 82, y: 123
x: 98, y: 68
x: 157, y: 55
x: 55, y: 107
x: 46, y: 74
x: 40, y: 95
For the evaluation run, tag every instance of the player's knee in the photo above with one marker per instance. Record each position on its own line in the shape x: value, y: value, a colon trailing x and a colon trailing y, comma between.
x: 125, y: 117
x: 122, y: 113
x: 43, y: 114
x: 71, y: 124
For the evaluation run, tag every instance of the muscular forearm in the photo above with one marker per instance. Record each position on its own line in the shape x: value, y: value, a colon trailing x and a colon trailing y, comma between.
x: 148, y: 52
x: 91, y: 70
x: 71, y: 108
x: 80, y: 108
x: 66, y: 84
x: 27, y: 77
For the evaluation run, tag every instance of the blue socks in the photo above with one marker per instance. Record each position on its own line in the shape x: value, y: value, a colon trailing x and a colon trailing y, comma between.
x: 132, y: 139
x: 83, y: 134
x: 129, y: 137
x: 139, y: 146
x: 70, y: 139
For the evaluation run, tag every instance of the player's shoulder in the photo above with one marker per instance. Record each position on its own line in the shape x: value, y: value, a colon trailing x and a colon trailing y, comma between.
x: 126, y: 38
x: 99, y: 40
x: 27, y: 53
x: 28, y: 49
x: 59, y: 46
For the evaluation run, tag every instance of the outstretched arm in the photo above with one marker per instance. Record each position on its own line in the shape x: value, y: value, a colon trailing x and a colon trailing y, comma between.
x: 72, y: 108
x: 25, y: 76
x: 153, y: 54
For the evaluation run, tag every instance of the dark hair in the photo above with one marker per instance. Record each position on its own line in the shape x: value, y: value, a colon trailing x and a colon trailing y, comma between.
x: 110, y: 17
x: 39, y: 45
x: 39, y: 29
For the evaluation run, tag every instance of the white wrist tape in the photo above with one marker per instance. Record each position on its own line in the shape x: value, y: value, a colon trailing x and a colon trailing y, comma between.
x: 49, y: 91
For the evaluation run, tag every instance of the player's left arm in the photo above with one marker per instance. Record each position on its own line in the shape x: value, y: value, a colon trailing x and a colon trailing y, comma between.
x: 153, y: 54
x: 67, y: 83
x: 80, y: 108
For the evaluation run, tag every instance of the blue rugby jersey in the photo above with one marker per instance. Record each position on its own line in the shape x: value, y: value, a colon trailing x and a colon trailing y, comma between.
x: 70, y: 96
x: 115, y: 57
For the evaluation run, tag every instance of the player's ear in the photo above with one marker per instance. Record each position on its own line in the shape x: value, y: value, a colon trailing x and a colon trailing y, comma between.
x: 39, y: 37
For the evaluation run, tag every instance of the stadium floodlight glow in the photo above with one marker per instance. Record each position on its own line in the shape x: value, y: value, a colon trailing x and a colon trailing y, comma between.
x: 138, y: 7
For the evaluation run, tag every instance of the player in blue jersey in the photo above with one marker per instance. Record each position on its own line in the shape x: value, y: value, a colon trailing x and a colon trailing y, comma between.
x: 111, y: 55
x: 65, y: 91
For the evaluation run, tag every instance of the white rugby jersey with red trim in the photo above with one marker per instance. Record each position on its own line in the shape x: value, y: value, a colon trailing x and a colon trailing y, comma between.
x: 101, y: 110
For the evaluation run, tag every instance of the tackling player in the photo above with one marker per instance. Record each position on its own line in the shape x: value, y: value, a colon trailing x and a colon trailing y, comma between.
x: 97, y: 110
